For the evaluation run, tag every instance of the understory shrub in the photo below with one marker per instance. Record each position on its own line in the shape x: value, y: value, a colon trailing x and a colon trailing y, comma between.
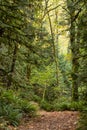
x: 10, y: 114
x: 28, y: 107
x: 36, y: 98
x: 76, y: 106
x: 83, y: 121
x: 46, y: 106
x: 13, y: 108
x: 26, y: 94
x: 61, y: 106
x: 73, y: 106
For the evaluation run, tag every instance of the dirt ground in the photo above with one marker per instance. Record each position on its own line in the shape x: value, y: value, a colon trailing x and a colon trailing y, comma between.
x: 66, y: 120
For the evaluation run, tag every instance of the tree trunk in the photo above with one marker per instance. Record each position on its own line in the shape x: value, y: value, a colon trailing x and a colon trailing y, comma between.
x: 28, y: 73
x: 12, y: 67
x: 53, y: 43
x: 75, y: 64
x: 74, y: 48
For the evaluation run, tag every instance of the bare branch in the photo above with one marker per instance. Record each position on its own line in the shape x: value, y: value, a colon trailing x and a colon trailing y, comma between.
x: 50, y: 11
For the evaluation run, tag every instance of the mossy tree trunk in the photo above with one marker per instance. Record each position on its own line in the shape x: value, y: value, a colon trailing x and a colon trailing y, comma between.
x: 73, y: 12
x: 53, y: 42
x: 12, y: 69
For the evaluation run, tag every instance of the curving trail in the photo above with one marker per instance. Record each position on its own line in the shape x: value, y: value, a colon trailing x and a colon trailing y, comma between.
x: 66, y: 120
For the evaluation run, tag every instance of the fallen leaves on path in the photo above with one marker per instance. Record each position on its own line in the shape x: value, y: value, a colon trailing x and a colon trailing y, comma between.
x: 66, y: 120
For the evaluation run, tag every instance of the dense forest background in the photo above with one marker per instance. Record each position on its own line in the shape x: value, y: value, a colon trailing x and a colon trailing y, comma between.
x: 43, y: 57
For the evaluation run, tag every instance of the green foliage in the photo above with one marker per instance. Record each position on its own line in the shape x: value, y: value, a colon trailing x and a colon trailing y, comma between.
x: 26, y: 93
x: 76, y: 106
x: 19, y: 49
x: 27, y: 59
x: 61, y: 106
x: 10, y: 114
x: 13, y: 108
x: 73, y: 106
x: 46, y: 106
x: 8, y: 97
x: 83, y: 121
x: 53, y: 93
x: 36, y: 98
x: 43, y: 75
x: 27, y: 107
x: 29, y: 94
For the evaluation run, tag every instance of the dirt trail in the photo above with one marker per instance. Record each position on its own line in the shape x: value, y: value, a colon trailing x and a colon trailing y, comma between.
x: 66, y: 120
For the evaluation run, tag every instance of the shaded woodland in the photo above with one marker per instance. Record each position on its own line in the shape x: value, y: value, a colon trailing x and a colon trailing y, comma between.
x: 43, y: 58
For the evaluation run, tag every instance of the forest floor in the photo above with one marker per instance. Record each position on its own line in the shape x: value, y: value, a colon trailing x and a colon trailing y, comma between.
x: 66, y: 120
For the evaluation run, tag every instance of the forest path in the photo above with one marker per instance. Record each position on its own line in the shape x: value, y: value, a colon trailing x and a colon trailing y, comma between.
x: 66, y: 120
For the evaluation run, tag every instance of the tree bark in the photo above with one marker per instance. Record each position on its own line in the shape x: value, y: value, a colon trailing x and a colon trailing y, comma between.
x: 75, y: 64
x: 12, y: 67
x: 53, y: 43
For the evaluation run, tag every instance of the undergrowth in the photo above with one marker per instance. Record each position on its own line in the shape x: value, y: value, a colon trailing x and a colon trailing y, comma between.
x: 13, y: 108
x: 62, y: 106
